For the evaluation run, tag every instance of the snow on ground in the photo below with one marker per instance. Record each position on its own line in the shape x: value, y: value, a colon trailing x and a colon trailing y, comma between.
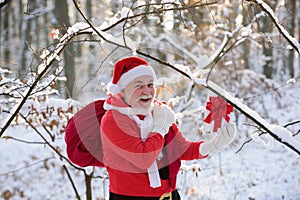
x: 253, y: 173
x: 33, y: 171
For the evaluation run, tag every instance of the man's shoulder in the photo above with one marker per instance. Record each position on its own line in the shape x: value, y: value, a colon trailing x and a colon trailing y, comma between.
x: 112, y: 117
x: 115, y: 113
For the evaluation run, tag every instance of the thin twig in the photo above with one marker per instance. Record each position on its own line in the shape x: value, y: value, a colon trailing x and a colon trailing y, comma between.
x: 262, y: 133
x: 292, y: 123
x: 246, y: 142
x: 48, y: 144
x: 156, y: 12
x: 27, y: 166
x: 72, y: 182
x: 265, y: 7
x: 21, y: 140
x: 3, y: 3
x: 207, y: 85
x: 45, y: 63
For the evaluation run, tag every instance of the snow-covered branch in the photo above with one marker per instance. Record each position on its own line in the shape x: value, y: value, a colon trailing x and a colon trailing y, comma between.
x: 3, y: 3
x: 61, y: 156
x: 88, y: 28
x: 42, y: 69
x: 266, y: 8
x: 279, y: 133
x: 261, y: 132
x: 27, y: 166
x: 156, y: 11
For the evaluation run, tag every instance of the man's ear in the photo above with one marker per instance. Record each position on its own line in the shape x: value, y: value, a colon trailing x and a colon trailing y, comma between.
x: 122, y: 95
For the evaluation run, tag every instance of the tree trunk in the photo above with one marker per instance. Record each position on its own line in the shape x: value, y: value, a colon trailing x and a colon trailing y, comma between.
x: 267, y: 28
x: 88, y: 7
x: 197, y: 15
x: 247, y: 14
x: 6, y: 31
x: 298, y: 6
x: 63, y: 22
x: 45, y: 20
x: 26, y: 37
x: 88, y: 185
x: 1, y: 28
x: 114, y: 6
x: 89, y: 14
x: 291, y: 6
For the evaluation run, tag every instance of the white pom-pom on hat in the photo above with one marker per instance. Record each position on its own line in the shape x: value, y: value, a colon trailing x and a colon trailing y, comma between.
x: 114, y: 88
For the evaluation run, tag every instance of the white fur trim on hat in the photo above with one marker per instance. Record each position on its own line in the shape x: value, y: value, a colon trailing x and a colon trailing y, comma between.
x: 114, y: 88
x: 129, y: 76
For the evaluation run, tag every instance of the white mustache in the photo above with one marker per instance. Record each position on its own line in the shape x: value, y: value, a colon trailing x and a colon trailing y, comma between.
x: 146, y: 97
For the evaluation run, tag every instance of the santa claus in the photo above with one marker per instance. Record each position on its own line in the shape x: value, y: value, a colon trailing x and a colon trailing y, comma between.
x: 142, y: 145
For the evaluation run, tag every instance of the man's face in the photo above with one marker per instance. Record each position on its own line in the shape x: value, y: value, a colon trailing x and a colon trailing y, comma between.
x: 139, y: 93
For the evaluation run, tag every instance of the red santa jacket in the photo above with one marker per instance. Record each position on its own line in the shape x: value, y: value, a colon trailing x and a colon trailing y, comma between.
x: 127, y: 157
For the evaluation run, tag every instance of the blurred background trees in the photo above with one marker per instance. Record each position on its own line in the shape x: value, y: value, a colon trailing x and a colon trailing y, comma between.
x: 235, y: 39
x: 199, y: 28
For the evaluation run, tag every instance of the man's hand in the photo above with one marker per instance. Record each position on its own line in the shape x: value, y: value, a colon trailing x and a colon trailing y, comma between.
x: 224, y: 137
x: 163, y: 118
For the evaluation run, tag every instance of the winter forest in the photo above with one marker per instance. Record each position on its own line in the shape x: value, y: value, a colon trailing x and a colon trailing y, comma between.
x: 56, y: 56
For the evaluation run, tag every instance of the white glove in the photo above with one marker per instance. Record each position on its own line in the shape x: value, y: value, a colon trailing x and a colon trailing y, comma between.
x: 224, y: 137
x: 163, y: 118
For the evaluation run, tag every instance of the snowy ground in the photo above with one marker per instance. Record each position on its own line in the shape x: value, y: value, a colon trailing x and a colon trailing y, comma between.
x: 253, y: 173
x: 33, y: 171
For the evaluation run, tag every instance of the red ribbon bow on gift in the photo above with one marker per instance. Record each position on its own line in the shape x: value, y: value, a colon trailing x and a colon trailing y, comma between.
x: 219, y: 109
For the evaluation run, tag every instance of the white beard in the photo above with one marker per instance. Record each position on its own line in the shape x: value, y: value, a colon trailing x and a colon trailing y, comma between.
x: 143, y: 111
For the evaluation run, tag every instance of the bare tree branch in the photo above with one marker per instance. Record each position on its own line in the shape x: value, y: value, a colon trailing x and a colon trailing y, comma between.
x: 47, y: 62
x: 240, y: 107
x: 4, y: 3
x: 262, y: 133
x: 158, y: 11
x: 50, y: 145
x: 20, y: 140
x: 72, y: 182
x: 27, y: 166
x: 207, y: 84
x: 291, y: 40
x: 88, y: 177
x: 44, y: 66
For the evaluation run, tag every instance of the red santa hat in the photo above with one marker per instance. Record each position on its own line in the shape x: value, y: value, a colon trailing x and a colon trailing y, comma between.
x: 128, y: 69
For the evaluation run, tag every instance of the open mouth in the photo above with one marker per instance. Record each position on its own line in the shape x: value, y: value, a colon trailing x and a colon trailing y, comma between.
x: 146, y: 99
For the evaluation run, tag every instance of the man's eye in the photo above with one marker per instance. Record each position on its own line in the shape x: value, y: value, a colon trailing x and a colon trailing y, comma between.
x: 150, y: 85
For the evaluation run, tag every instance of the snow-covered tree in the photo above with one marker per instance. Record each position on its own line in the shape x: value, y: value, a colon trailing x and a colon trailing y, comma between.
x: 244, y: 51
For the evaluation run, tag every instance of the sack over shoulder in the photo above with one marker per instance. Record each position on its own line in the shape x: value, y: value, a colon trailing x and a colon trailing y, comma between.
x: 83, y: 138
